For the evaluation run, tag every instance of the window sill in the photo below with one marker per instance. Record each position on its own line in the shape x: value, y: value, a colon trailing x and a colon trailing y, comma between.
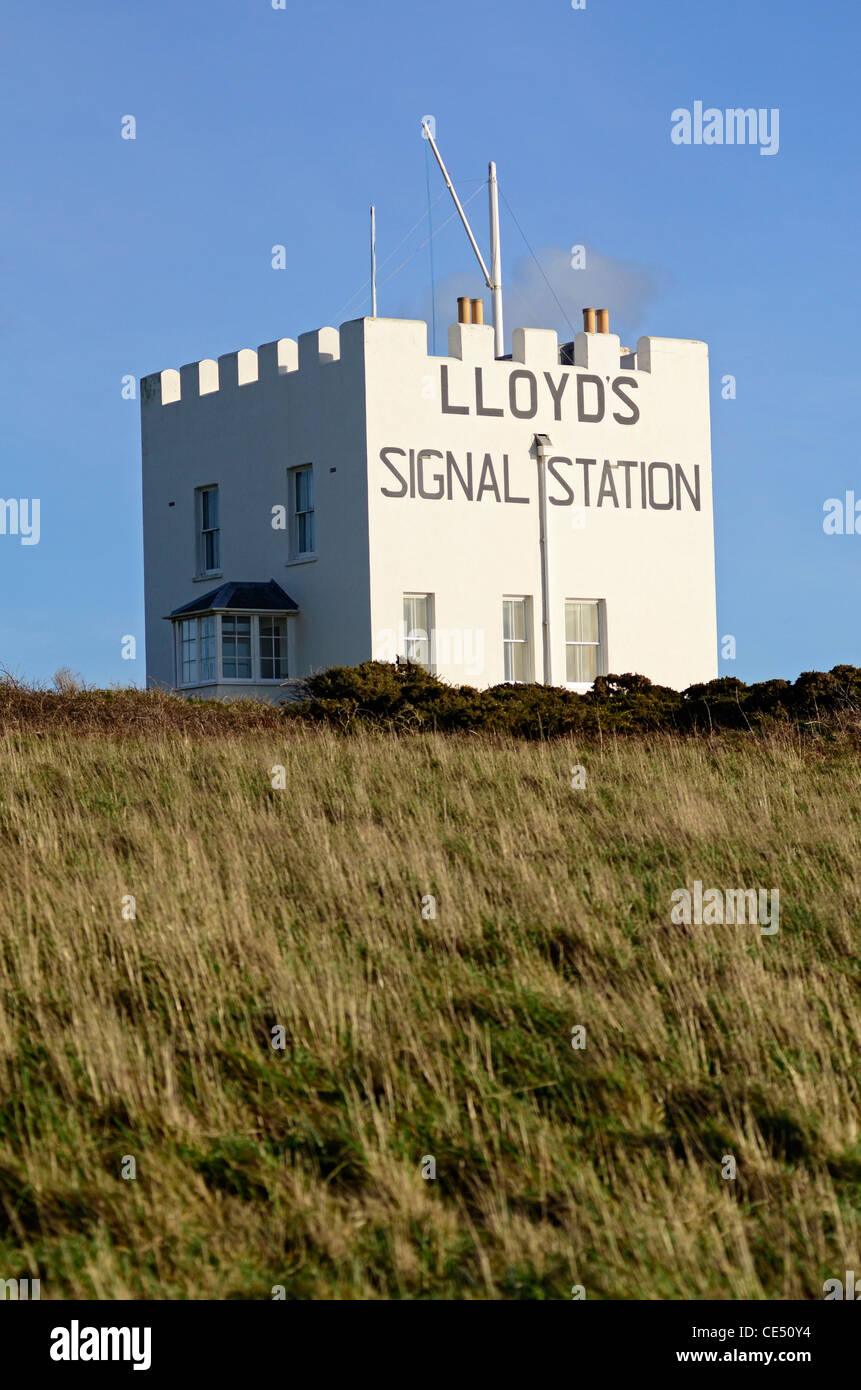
x: 300, y: 560
x: 234, y: 680
x: 203, y: 578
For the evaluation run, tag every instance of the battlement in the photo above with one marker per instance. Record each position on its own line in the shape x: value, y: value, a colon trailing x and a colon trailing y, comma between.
x: 232, y: 370
x: 535, y: 348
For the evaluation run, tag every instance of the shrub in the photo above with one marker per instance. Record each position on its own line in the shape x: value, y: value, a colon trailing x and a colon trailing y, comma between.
x: 407, y: 697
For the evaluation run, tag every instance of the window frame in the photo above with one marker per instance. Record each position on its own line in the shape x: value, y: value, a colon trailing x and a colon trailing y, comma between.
x: 430, y: 606
x: 600, y: 646
x: 238, y: 635
x: 283, y: 657
x: 209, y: 620
x: 188, y: 636
x: 204, y: 532
x: 526, y: 642
x: 295, y: 516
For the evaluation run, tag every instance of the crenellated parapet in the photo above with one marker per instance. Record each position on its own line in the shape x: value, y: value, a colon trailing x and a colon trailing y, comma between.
x: 231, y: 371
x: 540, y: 349
x: 533, y: 348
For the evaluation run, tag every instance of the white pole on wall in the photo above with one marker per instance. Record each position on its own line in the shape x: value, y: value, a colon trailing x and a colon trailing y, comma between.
x: 542, y: 445
x: 495, y: 263
x: 373, y: 261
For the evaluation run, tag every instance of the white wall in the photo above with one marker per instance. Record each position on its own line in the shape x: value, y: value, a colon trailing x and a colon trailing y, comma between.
x: 297, y: 404
x: 654, y: 568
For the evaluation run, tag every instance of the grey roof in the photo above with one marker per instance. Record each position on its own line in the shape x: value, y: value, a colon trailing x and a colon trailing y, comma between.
x: 241, y: 594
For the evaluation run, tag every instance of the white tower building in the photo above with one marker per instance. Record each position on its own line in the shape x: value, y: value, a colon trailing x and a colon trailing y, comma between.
x: 545, y: 516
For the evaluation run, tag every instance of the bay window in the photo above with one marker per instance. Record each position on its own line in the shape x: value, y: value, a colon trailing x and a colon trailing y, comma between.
x: 231, y: 647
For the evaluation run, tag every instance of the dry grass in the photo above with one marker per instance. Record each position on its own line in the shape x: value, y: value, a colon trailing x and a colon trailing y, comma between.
x: 408, y: 1037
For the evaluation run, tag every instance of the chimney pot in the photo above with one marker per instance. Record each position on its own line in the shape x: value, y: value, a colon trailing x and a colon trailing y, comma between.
x: 464, y: 309
x: 478, y: 311
x: 603, y: 320
x: 588, y: 320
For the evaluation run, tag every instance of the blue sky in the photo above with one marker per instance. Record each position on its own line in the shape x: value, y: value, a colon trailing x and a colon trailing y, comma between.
x: 258, y: 126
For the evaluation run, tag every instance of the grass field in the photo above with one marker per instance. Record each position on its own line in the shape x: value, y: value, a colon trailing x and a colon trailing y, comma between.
x: 408, y: 1036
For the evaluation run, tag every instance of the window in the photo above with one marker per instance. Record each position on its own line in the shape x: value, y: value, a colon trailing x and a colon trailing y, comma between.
x: 231, y: 647
x: 273, y: 649
x: 302, y: 528
x: 188, y: 650
x: 418, y: 627
x: 209, y: 533
x: 582, y: 641
x: 236, y: 648
x: 516, y: 625
x: 208, y: 659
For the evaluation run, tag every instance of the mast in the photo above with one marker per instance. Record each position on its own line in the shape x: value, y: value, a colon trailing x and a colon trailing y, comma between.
x: 495, y: 262
x: 373, y: 261
x: 492, y: 277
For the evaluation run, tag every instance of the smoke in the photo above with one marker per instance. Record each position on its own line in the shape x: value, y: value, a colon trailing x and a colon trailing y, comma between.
x: 576, y: 279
